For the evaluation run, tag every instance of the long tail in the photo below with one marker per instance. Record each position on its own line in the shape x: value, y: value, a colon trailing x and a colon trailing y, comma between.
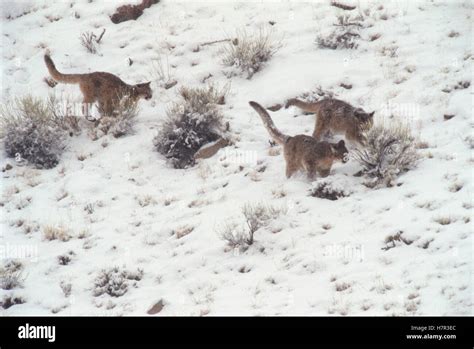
x: 66, y: 78
x: 268, y: 123
x: 309, y: 107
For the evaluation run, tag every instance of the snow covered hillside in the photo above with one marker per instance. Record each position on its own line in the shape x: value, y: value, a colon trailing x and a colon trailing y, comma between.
x: 115, y: 229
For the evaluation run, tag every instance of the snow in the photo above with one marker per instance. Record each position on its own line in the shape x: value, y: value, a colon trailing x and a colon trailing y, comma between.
x: 321, y: 257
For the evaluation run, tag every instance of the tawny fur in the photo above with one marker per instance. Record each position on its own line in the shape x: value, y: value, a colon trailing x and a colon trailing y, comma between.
x: 105, y: 88
x: 303, y: 152
x: 338, y: 117
x: 209, y: 150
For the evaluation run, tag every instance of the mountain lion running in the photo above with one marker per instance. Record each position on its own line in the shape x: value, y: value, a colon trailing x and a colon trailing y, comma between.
x: 303, y: 152
x: 338, y: 117
x: 104, y: 88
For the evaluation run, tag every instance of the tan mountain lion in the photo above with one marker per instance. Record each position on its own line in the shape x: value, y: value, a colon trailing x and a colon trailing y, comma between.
x: 339, y: 117
x: 104, y: 88
x: 303, y: 152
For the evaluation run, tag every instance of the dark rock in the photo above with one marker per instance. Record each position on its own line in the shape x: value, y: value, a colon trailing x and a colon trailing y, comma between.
x: 448, y: 116
x: 155, y: 309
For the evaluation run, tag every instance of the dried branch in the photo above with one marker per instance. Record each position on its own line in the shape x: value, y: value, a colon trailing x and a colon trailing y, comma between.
x: 100, y: 37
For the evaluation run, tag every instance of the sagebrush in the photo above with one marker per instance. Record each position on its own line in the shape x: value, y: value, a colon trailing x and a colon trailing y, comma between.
x: 344, y: 35
x: 331, y: 188
x: 161, y: 71
x: 115, y: 281
x: 90, y: 41
x: 316, y: 94
x: 192, y: 121
x: 11, y: 275
x: 122, y: 121
x: 390, y: 151
x: 256, y: 216
x: 31, y: 131
x: 11, y: 300
x: 210, y: 94
x: 64, y: 115
x: 249, y: 52
x: 235, y: 236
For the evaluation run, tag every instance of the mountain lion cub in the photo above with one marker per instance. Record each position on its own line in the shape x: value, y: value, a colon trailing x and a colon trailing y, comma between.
x: 338, y: 117
x: 104, y: 88
x: 303, y: 152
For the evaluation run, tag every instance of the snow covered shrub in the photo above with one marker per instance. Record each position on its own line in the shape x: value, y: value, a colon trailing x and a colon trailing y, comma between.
x: 10, y: 300
x: 192, y: 121
x: 331, y: 188
x: 315, y: 95
x: 63, y: 114
x: 66, y: 287
x: 248, y: 53
x: 394, y: 240
x: 337, y: 40
x: 469, y: 140
x: 161, y: 72
x: 235, y: 236
x: 390, y: 151
x: 66, y: 258
x: 343, y: 36
x: 11, y: 275
x: 115, y: 282
x: 211, y: 94
x: 256, y: 216
x: 88, y: 42
x: 31, y: 132
x: 122, y: 121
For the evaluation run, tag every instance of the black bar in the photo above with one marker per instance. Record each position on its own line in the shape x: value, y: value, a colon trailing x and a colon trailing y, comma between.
x: 381, y: 331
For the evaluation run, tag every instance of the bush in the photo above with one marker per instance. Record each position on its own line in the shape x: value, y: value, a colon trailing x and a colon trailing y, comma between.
x: 343, y: 36
x: 64, y: 115
x: 256, y: 216
x: 469, y: 140
x: 390, y: 151
x: 10, y: 300
x: 31, y: 132
x: 331, y: 188
x: 90, y: 41
x: 211, y: 94
x: 87, y: 40
x: 119, y: 122
x: 60, y: 233
x: 235, y: 236
x: 11, y: 275
x: 191, y: 122
x: 161, y: 71
x: 123, y: 119
x: 114, y: 281
x: 248, y: 53
x: 314, y: 95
